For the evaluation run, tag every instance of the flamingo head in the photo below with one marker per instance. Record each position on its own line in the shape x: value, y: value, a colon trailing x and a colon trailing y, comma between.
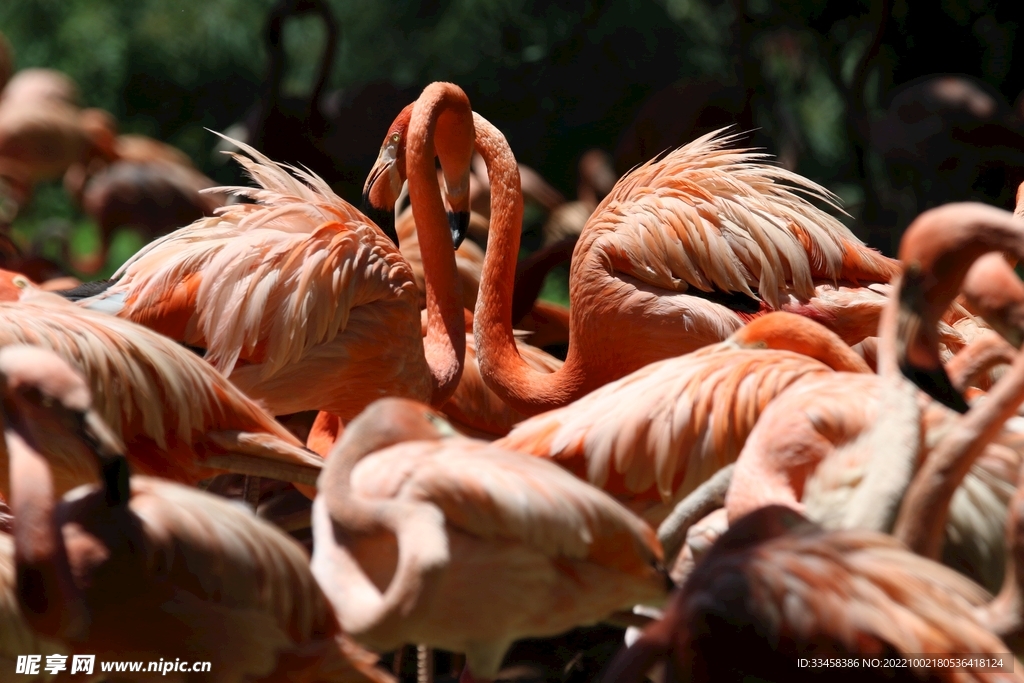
x: 42, y: 393
x: 13, y: 285
x: 384, y: 183
x: 917, y: 338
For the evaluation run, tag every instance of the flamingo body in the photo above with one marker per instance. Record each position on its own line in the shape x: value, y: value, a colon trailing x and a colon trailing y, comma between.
x: 476, y: 526
x: 278, y: 292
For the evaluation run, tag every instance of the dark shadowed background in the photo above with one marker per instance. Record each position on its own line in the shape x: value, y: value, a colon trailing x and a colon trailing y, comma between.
x: 814, y: 78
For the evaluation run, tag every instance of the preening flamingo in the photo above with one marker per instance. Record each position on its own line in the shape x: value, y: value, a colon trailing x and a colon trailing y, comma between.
x: 775, y: 588
x: 147, y: 569
x: 640, y: 264
x: 425, y: 537
x: 651, y: 437
x: 179, y: 418
x: 300, y: 300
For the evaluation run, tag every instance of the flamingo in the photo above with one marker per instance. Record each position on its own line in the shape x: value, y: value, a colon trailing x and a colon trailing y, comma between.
x: 138, y: 568
x: 638, y: 267
x: 179, y: 417
x: 39, y: 140
x: 415, y: 531
x: 816, y: 450
x: 763, y: 585
x: 40, y: 86
x: 775, y: 588
x: 141, y: 183
x: 651, y: 437
x: 300, y: 300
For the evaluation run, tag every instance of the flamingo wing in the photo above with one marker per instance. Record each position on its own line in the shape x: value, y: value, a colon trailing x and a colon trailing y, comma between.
x: 169, y: 407
x: 262, y: 282
x: 658, y: 433
x: 717, y: 219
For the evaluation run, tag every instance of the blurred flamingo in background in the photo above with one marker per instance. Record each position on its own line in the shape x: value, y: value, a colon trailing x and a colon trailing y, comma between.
x: 424, y: 537
x: 146, y: 569
x: 138, y: 183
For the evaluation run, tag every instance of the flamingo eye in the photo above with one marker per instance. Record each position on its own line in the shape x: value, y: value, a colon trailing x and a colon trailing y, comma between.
x: 395, y: 137
x: 20, y: 282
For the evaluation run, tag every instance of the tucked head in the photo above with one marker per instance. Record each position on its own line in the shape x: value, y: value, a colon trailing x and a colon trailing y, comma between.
x: 390, y: 421
x: 13, y: 285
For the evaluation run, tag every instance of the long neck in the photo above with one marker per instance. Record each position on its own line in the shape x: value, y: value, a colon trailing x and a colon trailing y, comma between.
x: 440, y: 111
x: 922, y: 517
x: 960, y: 233
x: 504, y: 370
x: 48, y: 595
x: 418, y: 530
x: 894, y: 441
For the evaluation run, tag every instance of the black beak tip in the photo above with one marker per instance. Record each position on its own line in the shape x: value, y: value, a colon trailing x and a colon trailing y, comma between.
x: 936, y: 384
x: 116, y: 481
x: 384, y: 219
x: 458, y: 221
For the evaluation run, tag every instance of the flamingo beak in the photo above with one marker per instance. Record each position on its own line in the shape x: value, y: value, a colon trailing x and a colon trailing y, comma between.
x: 110, y: 453
x: 457, y: 194
x: 917, y: 363
x: 381, y: 190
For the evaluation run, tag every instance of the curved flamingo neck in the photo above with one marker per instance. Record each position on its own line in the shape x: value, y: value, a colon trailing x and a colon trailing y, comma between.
x: 525, y: 389
x: 418, y: 528
x: 937, y: 250
x: 47, y: 593
x: 441, y: 126
x: 941, y: 252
